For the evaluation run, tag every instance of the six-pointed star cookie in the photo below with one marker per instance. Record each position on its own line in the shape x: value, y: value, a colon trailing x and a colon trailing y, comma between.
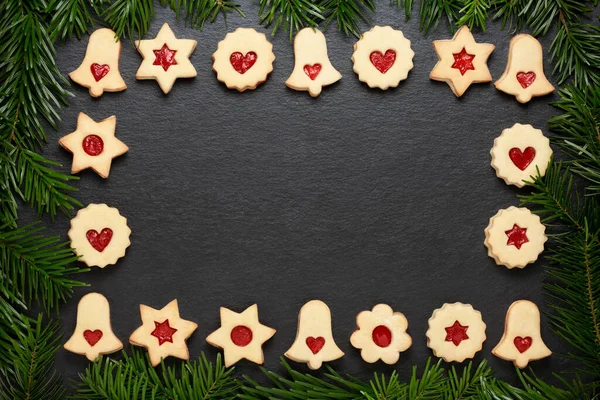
x: 462, y: 61
x: 163, y: 332
x: 93, y: 144
x: 241, y: 336
x: 166, y: 58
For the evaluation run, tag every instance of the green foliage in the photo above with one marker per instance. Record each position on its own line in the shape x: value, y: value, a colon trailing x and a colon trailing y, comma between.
x: 348, y: 14
x: 474, y: 14
x: 291, y: 15
x: 197, y: 12
x: 134, y: 377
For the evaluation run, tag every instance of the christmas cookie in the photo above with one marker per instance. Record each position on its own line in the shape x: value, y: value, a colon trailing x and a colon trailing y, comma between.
x: 93, y: 144
x: 313, y: 70
x: 524, y: 75
x: 93, y: 335
x: 522, y: 341
x: 462, y: 61
x: 515, y: 237
x: 241, y: 336
x: 382, y: 57
x: 314, y: 342
x: 166, y: 58
x: 243, y: 59
x: 456, y: 332
x: 163, y: 333
x: 381, y: 334
x: 99, y: 70
x: 99, y: 235
x: 519, y: 152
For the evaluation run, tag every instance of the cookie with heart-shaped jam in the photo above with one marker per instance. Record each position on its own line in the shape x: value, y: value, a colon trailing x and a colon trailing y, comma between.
x: 314, y: 342
x: 243, y: 59
x: 99, y: 235
x: 520, y: 153
x: 382, y: 57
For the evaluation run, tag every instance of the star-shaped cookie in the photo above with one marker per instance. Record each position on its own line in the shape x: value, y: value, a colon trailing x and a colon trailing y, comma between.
x: 166, y: 58
x: 163, y: 332
x: 241, y: 336
x: 462, y: 61
x: 93, y: 144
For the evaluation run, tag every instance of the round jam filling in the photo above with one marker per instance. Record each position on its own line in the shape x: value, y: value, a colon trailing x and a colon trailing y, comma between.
x: 93, y: 145
x: 382, y: 336
x: 241, y: 335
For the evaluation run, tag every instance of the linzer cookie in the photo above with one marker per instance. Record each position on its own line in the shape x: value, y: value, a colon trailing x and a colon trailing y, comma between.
x: 93, y: 335
x: 519, y: 153
x: 243, y: 59
x: 93, y: 144
x: 382, y: 57
x: 524, y: 74
x: 99, y: 70
x: 99, y: 235
x: 461, y: 61
x: 381, y: 334
x: 515, y: 237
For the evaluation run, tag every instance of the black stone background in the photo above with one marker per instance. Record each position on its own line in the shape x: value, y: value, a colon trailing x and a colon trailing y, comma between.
x: 357, y: 197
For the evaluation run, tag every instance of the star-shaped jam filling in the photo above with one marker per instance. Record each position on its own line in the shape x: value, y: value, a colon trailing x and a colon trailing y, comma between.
x: 463, y: 61
x: 456, y: 333
x: 163, y: 332
x: 517, y: 236
x: 165, y: 57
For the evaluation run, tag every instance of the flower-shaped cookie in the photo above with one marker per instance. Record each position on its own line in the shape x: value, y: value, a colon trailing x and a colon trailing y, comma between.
x: 519, y: 152
x: 241, y: 335
x: 99, y: 235
x: 382, y: 57
x: 462, y: 61
x: 456, y: 332
x: 515, y: 237
x: 163, y: 333
x: 381, y: 334
x: 93, y: 144
x: 166, y: 58
x: 243, y: 59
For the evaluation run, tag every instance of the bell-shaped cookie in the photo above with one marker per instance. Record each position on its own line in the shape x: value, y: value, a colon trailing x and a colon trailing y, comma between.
x: 93, y: 335
x: 522, y: 341
x: 313, y: 70
x: 314, y: 342
x: 99, y: 70
x: 524, y: 74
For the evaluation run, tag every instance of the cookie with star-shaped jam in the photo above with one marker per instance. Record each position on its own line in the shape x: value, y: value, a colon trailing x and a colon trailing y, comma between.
x: 515, y: 237
x: 163, y: 333
x: 93, y: 144
x: 166, y: 58
x: 462, y: 61
x: 456, y: 332
x: 241, y: 335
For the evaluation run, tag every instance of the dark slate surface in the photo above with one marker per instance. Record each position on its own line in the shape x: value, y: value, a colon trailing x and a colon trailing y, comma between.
x: 272, y: 197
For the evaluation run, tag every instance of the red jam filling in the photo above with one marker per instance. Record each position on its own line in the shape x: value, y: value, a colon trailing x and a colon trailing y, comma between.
x: 241, y: 335
x: 99, y: 71
x: 312, y: 70
x: 383, y: 62
x: 165, y: 57
x: 92, y: 337
x: 315, y: 344
x: 382, y: 336
x: 522, y: 343
x: 456, y: 333
x: 163, y: 332
x: 99, y: 241
x: 463, y: 61
x: 517, y: 236
x: 92, y: 145
x: 522, y: 159
x: 526, y: 78
x: 242, y: 63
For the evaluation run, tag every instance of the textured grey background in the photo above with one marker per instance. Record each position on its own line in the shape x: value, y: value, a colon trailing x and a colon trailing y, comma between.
x: 272, y: 197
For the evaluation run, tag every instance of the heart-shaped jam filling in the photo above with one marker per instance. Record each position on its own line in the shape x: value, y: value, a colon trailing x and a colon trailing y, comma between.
x: 383, y: 62
x: 99, y: 241
x: 315, y: 344
x: 242, y: 63
x: 99, y: 71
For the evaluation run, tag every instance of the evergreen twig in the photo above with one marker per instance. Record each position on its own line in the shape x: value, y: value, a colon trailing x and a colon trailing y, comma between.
x: 348, y: 14
x: 291, y: 15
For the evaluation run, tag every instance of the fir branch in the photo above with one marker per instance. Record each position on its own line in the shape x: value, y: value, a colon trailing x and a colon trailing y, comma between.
x: 129, y: 18
x: 406, y: 4
x: 474, y: 14
x: 28, y: 372
x: 576, y: 53
x: 68, y: 17
x: 431, y: 11
x: 197, y: 12
x: 348, y: 14
x: 291, y: 15
x: 511, y: 12
x: 134, y: 377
